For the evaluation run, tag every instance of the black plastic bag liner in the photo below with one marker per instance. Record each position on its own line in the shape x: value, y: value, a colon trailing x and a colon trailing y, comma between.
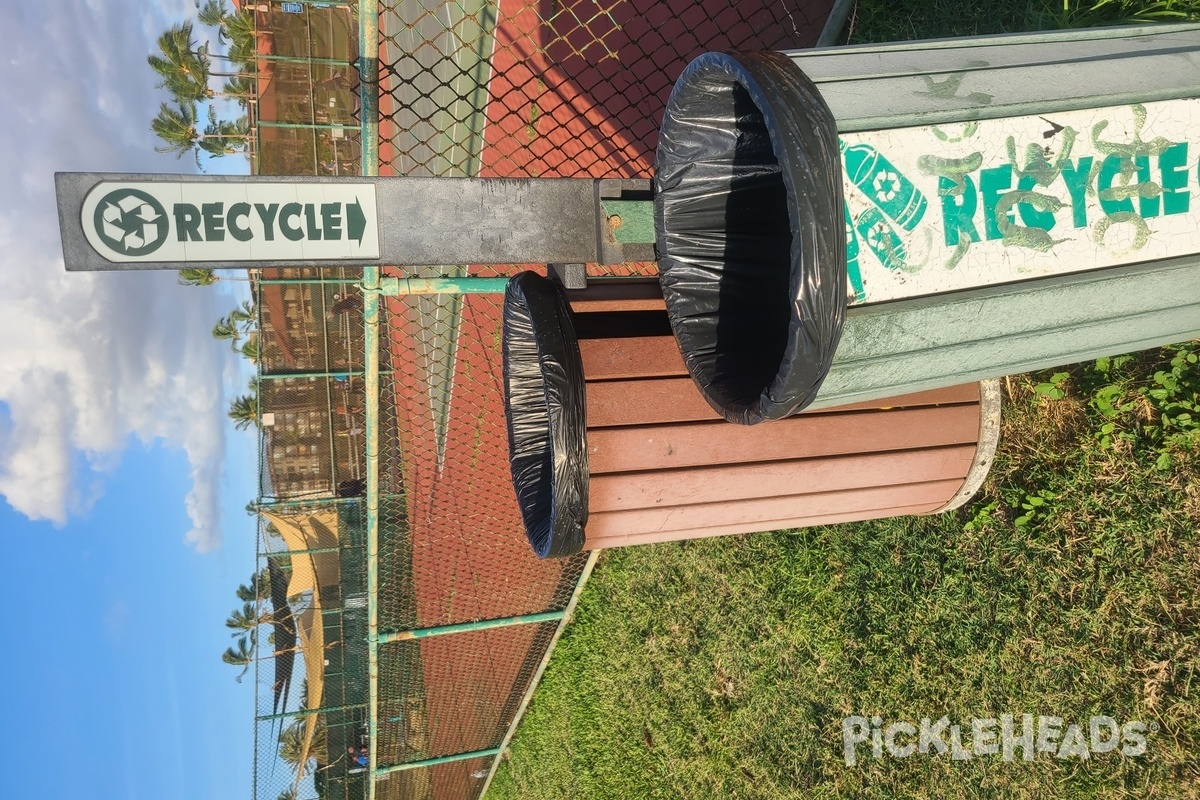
x: 750, y: 232
x: 544, y: 408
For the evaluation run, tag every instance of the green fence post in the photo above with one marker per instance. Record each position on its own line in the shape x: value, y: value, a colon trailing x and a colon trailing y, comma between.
x: 368, y: 35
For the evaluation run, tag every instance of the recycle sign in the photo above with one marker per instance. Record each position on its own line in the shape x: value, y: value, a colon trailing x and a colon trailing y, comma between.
x: 131, y: 222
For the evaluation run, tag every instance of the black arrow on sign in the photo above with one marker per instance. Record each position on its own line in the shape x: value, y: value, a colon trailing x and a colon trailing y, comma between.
x: 1054, y: 128
x: 356, y: 220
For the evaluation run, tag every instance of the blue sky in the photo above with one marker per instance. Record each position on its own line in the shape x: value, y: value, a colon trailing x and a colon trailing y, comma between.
x: 122, y: 483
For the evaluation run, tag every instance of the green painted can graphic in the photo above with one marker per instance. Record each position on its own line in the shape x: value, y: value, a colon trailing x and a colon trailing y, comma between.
x: 882, y: 239
x: 852, y: 270
x: 884, y: 185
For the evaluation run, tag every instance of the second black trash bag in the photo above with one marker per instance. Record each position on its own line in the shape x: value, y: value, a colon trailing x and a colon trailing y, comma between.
x: 750, y: 232
x: 545, y: 412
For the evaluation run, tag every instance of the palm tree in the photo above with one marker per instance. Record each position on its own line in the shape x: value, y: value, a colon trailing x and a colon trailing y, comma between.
x: 177, y: 127
x: 242, y: 88
x: 246, y: 619
x: 214, y: 13
x: 223, y: 137
x: 184, y: 69
x: 204, y: 277
x: 245, y: 315
x: 244, y: 411
x: 240, y: 322
x: 250, y: 349
x: 259, y: 588
x: 227, y: 329
x: 242, y: 656
x: 197, y: 277
x: 237, y: 28
x: 291, y: 743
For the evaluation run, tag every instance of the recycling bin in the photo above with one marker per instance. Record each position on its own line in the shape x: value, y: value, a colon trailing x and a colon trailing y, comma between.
x: 827, y: 221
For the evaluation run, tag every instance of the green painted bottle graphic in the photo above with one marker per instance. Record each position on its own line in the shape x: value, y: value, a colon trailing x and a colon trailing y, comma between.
x: 852, y: 271
x: 882, y: 239
x: 883, y: 184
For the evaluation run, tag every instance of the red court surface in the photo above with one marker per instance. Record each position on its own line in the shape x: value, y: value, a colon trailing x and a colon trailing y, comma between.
x: 574, y: 91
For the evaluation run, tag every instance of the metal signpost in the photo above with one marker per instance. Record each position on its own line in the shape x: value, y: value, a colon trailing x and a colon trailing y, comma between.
x: 123, y: 221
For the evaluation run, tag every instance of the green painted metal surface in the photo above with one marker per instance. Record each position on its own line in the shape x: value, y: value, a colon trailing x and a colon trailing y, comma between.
x: 396, y: 287
x: 282, y: 376
x: 433, y: 762
x: 305, y: 281
x: 332, y: 62
x: 290, y: 505
x: 368, y: 16
x: 873, y: 87
x: 631, y: 221
x: 944, y: 340
x: 306, y: 712
x: 317, y: 126
x: 467, y: 627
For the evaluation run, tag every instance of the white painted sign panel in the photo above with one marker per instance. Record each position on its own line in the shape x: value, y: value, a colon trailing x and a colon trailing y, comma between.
x: 193, y: 221
x: 939, y: 208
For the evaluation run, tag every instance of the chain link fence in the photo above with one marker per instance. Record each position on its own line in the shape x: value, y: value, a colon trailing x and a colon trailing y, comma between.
x: 311, y: 671
x: 310, y: 386
x: 310, y: 639
x: 522, y: 89
x: 307, y: 115
x: 466, y: 614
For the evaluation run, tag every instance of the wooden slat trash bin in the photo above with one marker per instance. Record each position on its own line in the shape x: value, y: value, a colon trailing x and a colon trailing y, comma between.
x: 661, y: 464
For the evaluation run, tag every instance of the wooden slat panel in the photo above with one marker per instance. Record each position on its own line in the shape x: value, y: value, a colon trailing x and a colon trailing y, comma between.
x: 646, y: 402
x: 659, y: 356
x: 636, y: 295
x: 591, y: 305
x: 804, y: 436
x: 732, y: 484
x: 633, y: 357
x: 701, y: 515
x: 654, y: 537
x: 662, y: 400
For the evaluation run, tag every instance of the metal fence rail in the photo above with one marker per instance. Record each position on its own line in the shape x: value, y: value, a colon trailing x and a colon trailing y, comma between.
x: 441, y: 619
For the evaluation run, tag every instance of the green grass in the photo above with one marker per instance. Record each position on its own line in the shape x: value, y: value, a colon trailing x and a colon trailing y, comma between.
x: 888, y: 20
x: 723, y: 668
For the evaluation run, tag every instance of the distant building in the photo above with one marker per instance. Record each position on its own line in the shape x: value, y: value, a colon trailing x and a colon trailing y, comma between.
x: 305, y: 121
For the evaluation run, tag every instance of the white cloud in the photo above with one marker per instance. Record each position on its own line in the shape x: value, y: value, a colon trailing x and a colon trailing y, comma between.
x: 88, y: 361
